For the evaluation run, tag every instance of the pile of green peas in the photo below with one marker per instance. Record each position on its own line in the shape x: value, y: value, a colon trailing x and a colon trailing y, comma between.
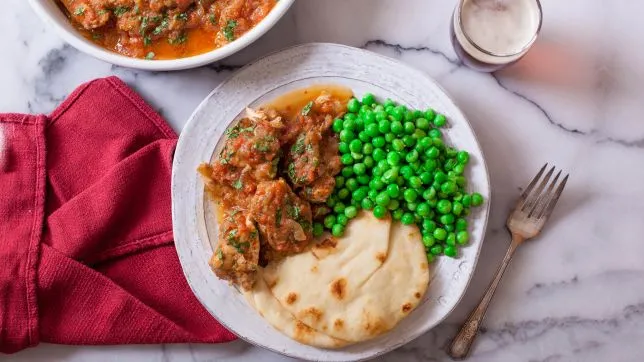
x: 395, y: 162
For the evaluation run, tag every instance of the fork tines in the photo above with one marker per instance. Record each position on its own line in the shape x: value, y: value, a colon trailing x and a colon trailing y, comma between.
x: 537, y: 202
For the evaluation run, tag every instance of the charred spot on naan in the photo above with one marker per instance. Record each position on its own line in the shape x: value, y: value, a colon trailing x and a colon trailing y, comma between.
x: 339, y: 288
x: 272, y: 283
x: 311, y: 314
x: 338, y: 324
x: 324, y: 248
x: 381, y: 257
x: 417, y: 295
x: 314, y: 269
x: 373, y: 325
x: 303, y: 333
x: 406, y: 308
x: 291, y: 298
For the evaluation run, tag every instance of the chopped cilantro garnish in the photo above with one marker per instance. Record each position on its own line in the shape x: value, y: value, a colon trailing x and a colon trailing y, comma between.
x: 240, y: 247
x: 150, y: 56
x: 307, y: 108
x: 229, y: 30
x: 253, y: 234
x: 79, y: 10
x: 147, y: 40
x: 182, y: 16
x: 144, y: 24
x: 298, y: 146
x: 120, y: 10
x: 212, y: 19
x: 161, y: 27
x: 291, y: 172
x: 278, y: 217
x: 220, y: 254
x: 102, y: 12
x: 238, y: 184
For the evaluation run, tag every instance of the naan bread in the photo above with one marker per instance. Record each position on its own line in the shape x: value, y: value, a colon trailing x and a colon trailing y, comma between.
x: 348, y: 290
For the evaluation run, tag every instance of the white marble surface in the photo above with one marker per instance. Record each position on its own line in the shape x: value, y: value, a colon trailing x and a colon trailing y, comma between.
x: 577, y: 293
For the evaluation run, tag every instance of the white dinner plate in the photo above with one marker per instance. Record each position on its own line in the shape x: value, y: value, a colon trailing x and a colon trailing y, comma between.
x: 293, y: 68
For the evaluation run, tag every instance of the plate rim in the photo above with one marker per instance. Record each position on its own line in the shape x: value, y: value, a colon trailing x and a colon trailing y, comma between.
x: 486, y: 209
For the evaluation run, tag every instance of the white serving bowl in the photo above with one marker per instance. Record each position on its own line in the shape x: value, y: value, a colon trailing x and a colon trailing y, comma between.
x: 51, y: 14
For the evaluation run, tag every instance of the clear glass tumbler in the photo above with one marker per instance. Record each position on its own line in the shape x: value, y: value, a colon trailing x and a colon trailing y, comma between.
x: 488, y: 35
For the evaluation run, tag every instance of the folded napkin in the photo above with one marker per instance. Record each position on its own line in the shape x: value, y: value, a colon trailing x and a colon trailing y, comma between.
x: 86, y: 249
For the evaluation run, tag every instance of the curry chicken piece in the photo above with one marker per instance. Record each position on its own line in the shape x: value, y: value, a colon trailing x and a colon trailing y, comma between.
x: 312, y: 160
x: 237, y: 254
x: 283, y: 219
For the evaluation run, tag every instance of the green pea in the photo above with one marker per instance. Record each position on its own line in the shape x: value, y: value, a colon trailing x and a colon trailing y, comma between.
x: 428, y: 240
x: 436, y: 249
x: 379, y: 154
x: 435, y: 133
x: 360, y: 193
x: 379, y: 142
x: 355, y: 146
x: 423, y: 209
x: 439, y: 120
x: 422, y: 123
x: 449, y: 227
x: 356, y: 155
x: 412, y: 206
x: 364, y: 137
x: 369, y: 118
x: 390, y: 176
x: 359, y: 168
x: 396, y: 115
x: 429, y: 225
x: 364, y: 109
x: 368, y: 99
x: 397, y: 214
x: 467, y: 201
x: 377, y: 171
x: 440, y: 177
x: 384, y: 126
x: 389, y: 103
x: 343, y: 147
x: 410, y: 127
x: 398, y: 144
x: 363, y: 179
x: 444, y: 206
x: 369, y: 162
x: 430, y: 114
x: 379, y: 211
x: 329, y: 220
x: 459, y: 169
x: 440, y: 234
x: 461, y: 224
x: 381, y: 115
x: 460, y: 181
x: 342, y: 219
x: 410, y: 195
x: 447, y: 219
x: 393, y: 158
x: 463, y: 157
x: 426, y: 178
x: 462, y: 237
x: 337, y: 230
x: 412, y: 156
x: 383, y: 199
x: 429, y: 193
x: 384, y: 165
x: 351, y: 212
x: 330, y: 202
x: 339, y: 208
x: 418, y: 134
x: 376, y: 184
x: 338, y: 125
x: 409, y: 116
x: 352, y: 184
x: 347, y: 135
x: 343, y: 193
x: 393, y: 205
x: 390, y: 137
x: 438, y: 143
x: 457, y: 208
x: 339, y: 181
x: 432, y: 152
x: 367, y: 204
x: 407, y: 218
x: 372, y: 194
x: 451, y: 152
x: 415, y: 182
x: 406, y: 172
x: 477, y: 199
x: 349, y: 125
x: 353, y: 105
x: 448, y: 187
x: 393, y: 191
x: 409, y: 141
x: 318, y: 229
x: 397, y: 127
x: 450, y: 251
x: 372, y: 130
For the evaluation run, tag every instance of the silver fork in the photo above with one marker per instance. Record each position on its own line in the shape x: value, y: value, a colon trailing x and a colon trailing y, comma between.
x: 526, y: 221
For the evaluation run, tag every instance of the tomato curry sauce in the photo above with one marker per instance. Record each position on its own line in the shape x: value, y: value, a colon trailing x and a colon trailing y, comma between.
x: 164, y: 29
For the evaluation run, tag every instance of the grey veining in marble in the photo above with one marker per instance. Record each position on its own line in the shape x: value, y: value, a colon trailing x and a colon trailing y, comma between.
x: 576, y: 293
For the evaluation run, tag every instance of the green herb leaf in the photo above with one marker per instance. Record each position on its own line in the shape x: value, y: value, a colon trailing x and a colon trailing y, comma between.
x: 291, y: 172
x: 278, y: 216
x: 298, y: 146
x: 147, y: 40
x: 79, y: 10
x: 120, y: 10
x: 182, y: 16
x: 161, y: 27
x: 238, y: 184
x: 212, y: 19
x: 102, y: 12
x: 220, y: 254
x: 150, y: 56
x: 229, y: 30
x: 307, y: 108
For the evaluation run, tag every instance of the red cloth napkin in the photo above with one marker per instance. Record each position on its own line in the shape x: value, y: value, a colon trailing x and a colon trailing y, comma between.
x: 86, y: 249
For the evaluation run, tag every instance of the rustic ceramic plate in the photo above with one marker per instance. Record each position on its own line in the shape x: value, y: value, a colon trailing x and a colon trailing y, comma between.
x: 301, y: 66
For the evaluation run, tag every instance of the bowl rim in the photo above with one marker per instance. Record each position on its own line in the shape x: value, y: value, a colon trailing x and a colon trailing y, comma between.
x: 80, y: 43
x: 485, y: 209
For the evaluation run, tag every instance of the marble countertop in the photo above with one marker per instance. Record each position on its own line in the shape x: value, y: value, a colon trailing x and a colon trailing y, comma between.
x: 576, y: 293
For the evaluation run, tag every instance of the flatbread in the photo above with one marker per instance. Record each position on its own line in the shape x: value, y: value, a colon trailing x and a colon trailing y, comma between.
x: 355, y: 290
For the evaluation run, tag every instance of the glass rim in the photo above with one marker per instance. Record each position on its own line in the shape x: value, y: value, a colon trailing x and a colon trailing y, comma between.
x: 500, y: 55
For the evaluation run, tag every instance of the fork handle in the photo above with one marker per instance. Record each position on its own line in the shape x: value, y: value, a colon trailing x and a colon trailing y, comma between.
x: 462, y: 342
